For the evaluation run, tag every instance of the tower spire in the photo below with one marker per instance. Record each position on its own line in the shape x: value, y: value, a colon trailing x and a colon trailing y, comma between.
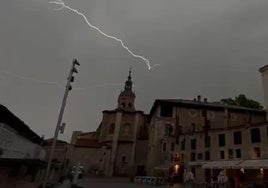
x: 128, y: 83
x: 129, y: 73
x: 127, y: 97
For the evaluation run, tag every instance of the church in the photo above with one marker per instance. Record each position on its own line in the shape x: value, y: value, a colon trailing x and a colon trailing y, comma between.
x: 177, y: 135
x: 119, y: 146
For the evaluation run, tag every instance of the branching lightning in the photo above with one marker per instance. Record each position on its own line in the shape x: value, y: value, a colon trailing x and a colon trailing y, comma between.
x: 63, y: 5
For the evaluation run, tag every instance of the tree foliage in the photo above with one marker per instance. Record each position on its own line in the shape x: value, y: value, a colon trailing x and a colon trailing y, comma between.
x: 242, y: 100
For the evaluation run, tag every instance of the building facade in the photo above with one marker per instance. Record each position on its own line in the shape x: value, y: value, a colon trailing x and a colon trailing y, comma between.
x: 198, y: 135
x: 121, y: 139
x: 21, y: 153
x: 85, y: 150
x: 240, y: 150
x: 184, y: 133
x: 59, y: 163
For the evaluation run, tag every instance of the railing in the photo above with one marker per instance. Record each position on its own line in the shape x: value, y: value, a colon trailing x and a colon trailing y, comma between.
x: 150, y: 180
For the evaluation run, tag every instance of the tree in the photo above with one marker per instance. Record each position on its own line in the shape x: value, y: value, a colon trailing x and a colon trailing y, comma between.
x: 242, y: 100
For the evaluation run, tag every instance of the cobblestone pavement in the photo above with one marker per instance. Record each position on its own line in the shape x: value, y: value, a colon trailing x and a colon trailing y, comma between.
x: 112, y: 183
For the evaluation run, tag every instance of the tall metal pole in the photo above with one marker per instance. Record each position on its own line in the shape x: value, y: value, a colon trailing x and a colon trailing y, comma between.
x: 70, y: 79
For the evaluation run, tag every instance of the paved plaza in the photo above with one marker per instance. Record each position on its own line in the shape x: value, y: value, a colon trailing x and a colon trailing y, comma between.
x: 112, y: 183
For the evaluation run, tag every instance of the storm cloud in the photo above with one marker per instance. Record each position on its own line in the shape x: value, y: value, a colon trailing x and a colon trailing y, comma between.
x: 208, y: 47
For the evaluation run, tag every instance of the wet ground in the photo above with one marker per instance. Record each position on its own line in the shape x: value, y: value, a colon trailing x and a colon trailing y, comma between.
x: 112, y: 183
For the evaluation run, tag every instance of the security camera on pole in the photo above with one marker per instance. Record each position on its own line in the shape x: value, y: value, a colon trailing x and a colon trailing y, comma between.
x: 58, y: 127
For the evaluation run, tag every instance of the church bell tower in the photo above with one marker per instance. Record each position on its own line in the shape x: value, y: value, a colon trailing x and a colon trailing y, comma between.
x: 127, y: 97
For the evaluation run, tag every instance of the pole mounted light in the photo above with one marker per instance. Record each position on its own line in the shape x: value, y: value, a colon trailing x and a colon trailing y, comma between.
x: 58, y: 126
x: 62, y: 128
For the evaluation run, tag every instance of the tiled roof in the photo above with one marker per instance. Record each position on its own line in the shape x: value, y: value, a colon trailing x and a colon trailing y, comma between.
x: 206, y: 104
x: 264, y: 68
x: 91, y: 143
x: 50, y: 140
x: 200, y: 104
x: 8, y: 118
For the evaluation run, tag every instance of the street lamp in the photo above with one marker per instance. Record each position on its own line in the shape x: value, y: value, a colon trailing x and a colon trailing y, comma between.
x: 58, y: 126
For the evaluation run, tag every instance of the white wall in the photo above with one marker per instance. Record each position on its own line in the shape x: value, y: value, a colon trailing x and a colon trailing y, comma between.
x: 16, y: 146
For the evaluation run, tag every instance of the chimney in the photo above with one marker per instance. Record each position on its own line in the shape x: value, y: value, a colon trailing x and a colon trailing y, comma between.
x: 264, y: 75
x: 199, y: 98
x: 205, y: 100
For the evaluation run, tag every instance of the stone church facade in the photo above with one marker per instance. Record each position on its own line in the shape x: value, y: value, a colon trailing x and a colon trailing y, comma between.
x: 119, y: 146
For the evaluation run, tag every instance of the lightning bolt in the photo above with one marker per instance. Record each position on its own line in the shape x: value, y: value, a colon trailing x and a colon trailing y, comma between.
x: 63, y: 5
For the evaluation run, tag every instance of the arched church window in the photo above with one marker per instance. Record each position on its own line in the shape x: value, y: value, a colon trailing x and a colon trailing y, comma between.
x: 111, y: 128
x: 123, y: 105
x: 126, y: 129
x: 129, y: 105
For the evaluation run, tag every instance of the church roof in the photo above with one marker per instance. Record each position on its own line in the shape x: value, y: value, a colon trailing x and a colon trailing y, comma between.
x: 128, y: 93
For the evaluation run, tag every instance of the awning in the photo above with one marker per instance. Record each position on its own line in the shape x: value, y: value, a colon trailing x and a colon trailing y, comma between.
x: 254, y: 164
x: 162, y: 167
x: 196, y: 163
x: 222, y: 164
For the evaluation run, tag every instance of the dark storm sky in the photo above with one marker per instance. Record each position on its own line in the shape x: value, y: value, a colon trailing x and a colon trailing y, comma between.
x: 208, y: 47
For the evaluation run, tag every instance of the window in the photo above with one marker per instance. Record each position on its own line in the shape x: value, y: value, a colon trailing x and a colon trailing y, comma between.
x: 192, y: 156
x: 126, y: 129
x: 168, y: 129
x: 207, y: 141
x: 164, y: 145
x: 230, y: 154
x: 123, y: 159
x: 166, y: 110
x: 238, y: 153
x: 237, y: 138
x: 123, y: 105
x: 255, y: 135
x: 267, y: 132
x: 256, y: 152
x: 171, y: 157
x: 193, y: 170
x: 192, y: 113
x: 193, y: 143
x: 193, y: 127
x: 207, y: 155
x: 222, y: 155
x: 183, y: 145
x: 211, y: 115
x: 221, y: 140
x: 182, y: 157
x: 233, y: 117
x: 204, y: 113
x: 111, y: 128
x: 129, y: 105
x: 172, y: 146
x: 179, y: 129
x: 200, y: 156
